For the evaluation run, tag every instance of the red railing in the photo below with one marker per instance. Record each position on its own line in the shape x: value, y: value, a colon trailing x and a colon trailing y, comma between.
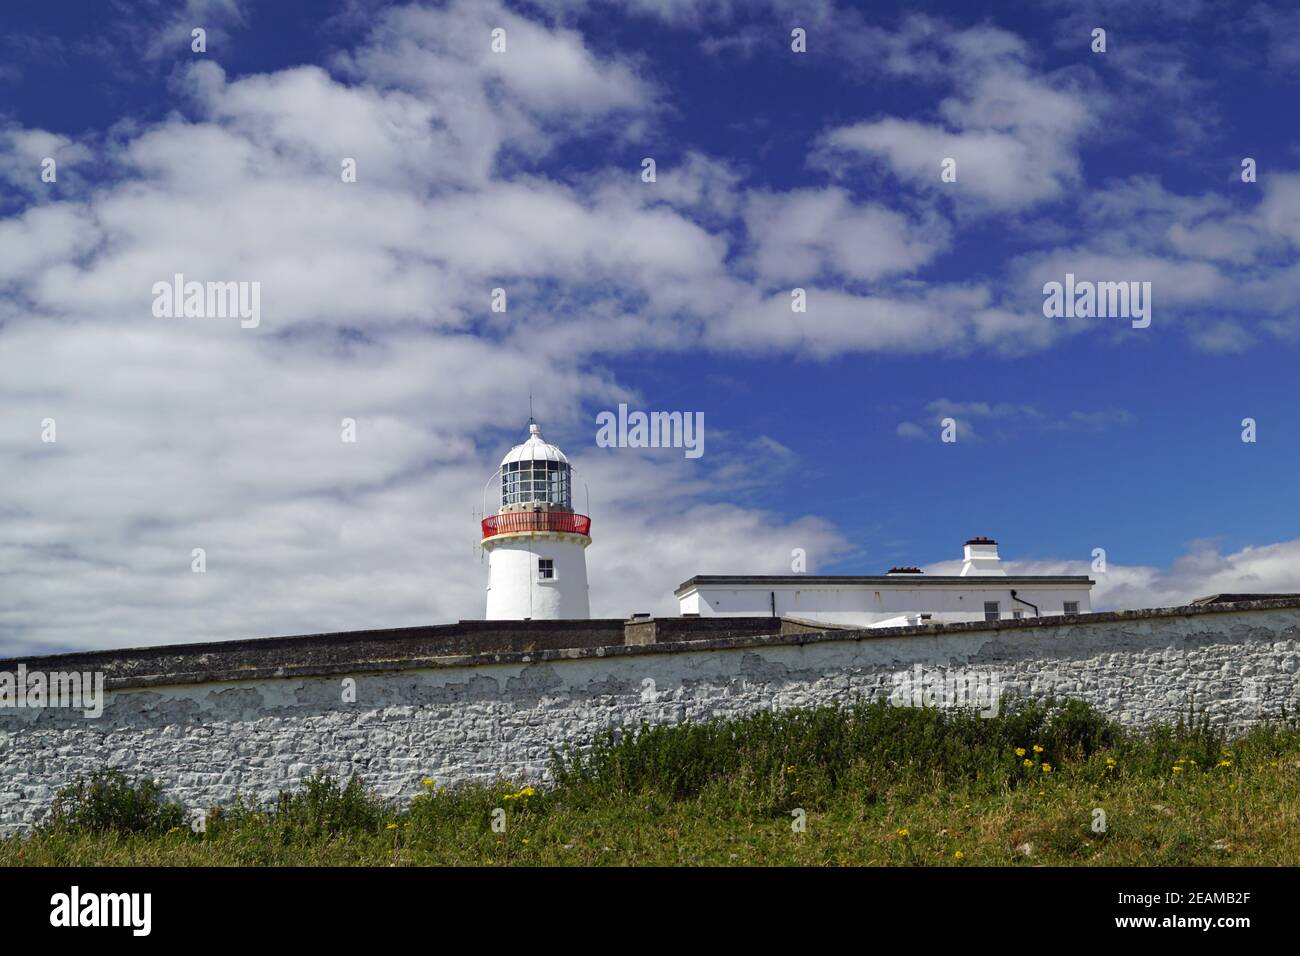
x: 517, y: 521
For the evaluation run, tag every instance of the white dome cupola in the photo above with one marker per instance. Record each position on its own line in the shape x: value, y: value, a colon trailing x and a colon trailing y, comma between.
x: 536, y: 543
x: 536, y: 474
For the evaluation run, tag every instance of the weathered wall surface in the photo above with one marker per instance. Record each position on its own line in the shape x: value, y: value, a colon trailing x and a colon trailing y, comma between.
x: 479, y: 716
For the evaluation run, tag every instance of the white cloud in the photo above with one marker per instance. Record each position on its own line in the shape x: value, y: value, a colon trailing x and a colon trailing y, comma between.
x: 433, y: 51
x: 24, y: 151
x: 905, y: 318
x: 1222, y: 269
x: 1006, y: 419
x: 1012, y: 131
x: 41, y: 237
x: 802, y: 233
x: 911, y: 430
x: 159, y: 30
x: 1279, y: 211
x: 706, y: 186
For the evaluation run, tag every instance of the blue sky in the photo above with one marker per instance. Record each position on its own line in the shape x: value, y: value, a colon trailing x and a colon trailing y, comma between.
x: 521, y: 170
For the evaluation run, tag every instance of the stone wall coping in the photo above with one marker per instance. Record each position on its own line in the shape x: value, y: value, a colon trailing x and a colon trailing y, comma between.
x: 207, y: 670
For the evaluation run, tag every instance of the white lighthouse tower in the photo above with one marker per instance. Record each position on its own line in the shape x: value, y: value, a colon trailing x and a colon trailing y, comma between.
x: 536, y: 543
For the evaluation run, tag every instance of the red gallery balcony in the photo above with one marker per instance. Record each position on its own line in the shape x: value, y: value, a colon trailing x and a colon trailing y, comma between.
x: 516, y: 522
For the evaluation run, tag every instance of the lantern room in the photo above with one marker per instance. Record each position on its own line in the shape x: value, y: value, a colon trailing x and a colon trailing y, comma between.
x: 536, y: 473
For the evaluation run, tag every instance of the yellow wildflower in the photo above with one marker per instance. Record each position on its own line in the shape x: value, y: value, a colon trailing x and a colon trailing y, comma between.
x: 1027, y: 762
x: 1020, y: 751
x: 904, y: 832
x: 959, y: 855
x: 1047, y: 768
x: 391, y: 826
x: 1038, y: 748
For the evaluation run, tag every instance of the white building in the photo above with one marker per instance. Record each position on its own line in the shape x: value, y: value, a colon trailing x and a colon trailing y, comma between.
x: 905, y: 596
x: 536, y: 543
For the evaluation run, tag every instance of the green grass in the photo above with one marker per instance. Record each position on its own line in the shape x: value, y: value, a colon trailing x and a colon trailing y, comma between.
x: 874, y: 785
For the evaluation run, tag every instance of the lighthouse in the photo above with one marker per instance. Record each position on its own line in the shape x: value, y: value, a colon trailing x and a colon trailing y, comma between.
x: 536, y: 543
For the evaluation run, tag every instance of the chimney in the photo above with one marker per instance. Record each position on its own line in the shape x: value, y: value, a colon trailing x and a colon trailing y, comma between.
x: 981, y: 558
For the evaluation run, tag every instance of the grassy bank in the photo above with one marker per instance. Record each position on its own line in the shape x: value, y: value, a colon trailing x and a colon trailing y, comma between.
x: 872, y: 785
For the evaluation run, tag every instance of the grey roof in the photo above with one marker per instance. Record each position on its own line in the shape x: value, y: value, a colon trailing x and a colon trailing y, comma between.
x: 852, y: 580
x: 1240, y: 597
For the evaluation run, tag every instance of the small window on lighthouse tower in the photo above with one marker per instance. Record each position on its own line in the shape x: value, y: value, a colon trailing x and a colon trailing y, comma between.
x: 546, y: 569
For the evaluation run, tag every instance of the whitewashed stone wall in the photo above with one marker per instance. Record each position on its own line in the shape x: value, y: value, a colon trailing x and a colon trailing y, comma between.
x: 207, y: 742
